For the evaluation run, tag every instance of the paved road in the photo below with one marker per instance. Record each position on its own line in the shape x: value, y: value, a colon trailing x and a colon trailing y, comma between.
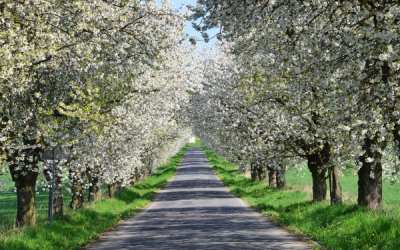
x: 195, y: 211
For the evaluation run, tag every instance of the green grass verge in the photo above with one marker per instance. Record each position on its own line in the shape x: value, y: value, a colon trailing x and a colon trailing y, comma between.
x: 334, y: 227
x: 76, y: 229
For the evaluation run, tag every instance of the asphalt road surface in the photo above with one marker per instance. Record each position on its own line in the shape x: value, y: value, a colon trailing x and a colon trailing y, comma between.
x: 196, y: 212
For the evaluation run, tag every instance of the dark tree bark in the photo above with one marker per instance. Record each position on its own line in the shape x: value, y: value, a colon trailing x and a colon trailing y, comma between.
x: 94, y: 191
x: 94, y: 188
x: 113, y: 189
x: 24, y: 178
x: 77, y: 190
x: 370, y: 174
x: 258, y: 172
x: 335, y: 186
x: 272, y: 180
x: 56, y: 199
x: 319, y: 187
x: 148, y: 171
x: 280, y: 177
x: 26, y: 200
x: 148, y: 165
x: 317, y: 165
x: 136, y: 176
x: 396, y: 135
x: 253, y: 172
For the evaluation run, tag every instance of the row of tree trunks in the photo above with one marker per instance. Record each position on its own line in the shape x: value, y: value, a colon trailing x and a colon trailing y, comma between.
x: 369, y: 175
x: 319, y: 187
x: 25, y: 179
x: 258, y: 172
x: 94, y: 192
x: 369, y: 182
x: 276, y: 177
x: 113, y: 189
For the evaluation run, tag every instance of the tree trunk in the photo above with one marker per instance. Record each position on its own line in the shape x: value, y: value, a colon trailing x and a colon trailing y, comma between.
x: 280, y: 177
x: 370, y: 174
x: 319, y: 184
x: 261, y: 173
x: 148, y: 166
x: 272, y: 180
x: 26, y: 200
x: 77, y: 198
x: 113, y: 189
x: 56, y: 199
x: 258, y: 172
x: 136, y: 175
x: 335, y: 186
x: 94, y: 192
x: 317, y: 164
x: 253, y: 172
x: 24, y: 174
x: 396, y: 136
x: 94, y: 189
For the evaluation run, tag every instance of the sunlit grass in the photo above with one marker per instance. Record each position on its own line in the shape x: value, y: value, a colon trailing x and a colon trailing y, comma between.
x: 78, y: 228
x: 335, y: 227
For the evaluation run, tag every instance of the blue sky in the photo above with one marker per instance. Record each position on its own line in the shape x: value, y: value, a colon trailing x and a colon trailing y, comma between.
x: 180, y: 4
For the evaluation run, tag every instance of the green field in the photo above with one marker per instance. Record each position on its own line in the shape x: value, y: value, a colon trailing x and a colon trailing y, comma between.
x: 344, y: 226
x: 6, y: 184
x: 8, y: 204
x: 299, y: 179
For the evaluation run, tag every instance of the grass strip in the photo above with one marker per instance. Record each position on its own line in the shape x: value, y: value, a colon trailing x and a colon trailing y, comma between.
x: 334, y: 227
x: 78, y: 228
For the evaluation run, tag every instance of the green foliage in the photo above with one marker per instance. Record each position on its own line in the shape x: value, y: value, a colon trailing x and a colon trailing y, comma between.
x: 76, y: 229
x: 335, y: 227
